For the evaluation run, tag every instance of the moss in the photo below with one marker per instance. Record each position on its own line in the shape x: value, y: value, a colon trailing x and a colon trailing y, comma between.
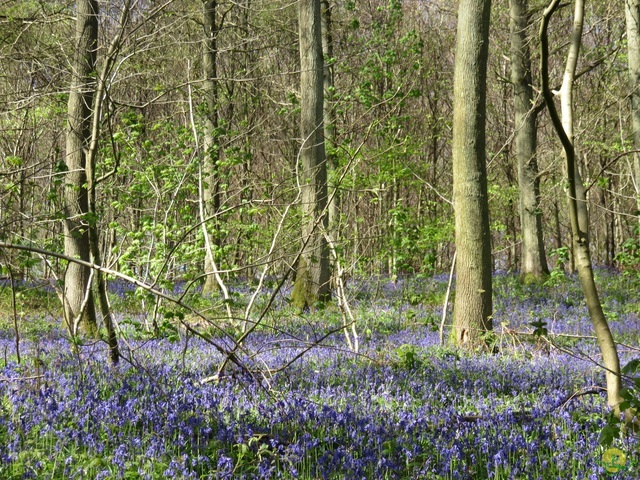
x: 531, y: 278
x: 302, y: 295
x: 305, y: 294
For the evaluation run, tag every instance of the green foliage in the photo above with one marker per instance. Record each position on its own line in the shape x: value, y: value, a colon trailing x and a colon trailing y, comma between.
x: 139, y: 328
x: 618, y: 426
x: 409, y: 357
x: 34, y: 305
x: 491, y: 341
x: 502, y: 201
x: 386, y: 88
x: 445, y: 352
x: 629, y: 256
x: 557, y: 275
x: 425, y: 292
x: 530, y: 278
x: 384, y: 322
x: 147, y: 239
x: 249, y: 453
x: 539, y: 328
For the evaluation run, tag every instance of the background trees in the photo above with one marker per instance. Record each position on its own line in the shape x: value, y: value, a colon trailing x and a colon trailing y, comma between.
x: 205, y: 141
x: 389, y: 141
x: 211, y: 144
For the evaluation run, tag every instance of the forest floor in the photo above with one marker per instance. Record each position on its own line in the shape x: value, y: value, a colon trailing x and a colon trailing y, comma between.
x: 404, y: 407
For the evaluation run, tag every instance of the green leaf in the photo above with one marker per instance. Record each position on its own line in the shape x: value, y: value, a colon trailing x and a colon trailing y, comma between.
x: 631, y: 367
x: 608, y: 433
x: 96, y: 462
x: 627, y: 394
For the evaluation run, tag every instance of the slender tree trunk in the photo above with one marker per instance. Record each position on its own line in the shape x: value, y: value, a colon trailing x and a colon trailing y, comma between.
x: 330, y: 120
x: 78, y: 300
x: 90, y: 168
x: 580, y: 237
x: 534, y: 261
x: 473, y: 301
x: 566, y: 106
x: 312, y: 276
x: 632, y: 11
x: 211, y: 147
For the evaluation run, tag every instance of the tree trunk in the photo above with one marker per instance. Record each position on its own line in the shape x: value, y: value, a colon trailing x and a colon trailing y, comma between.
x: 632, y: 10
x: 534, y: 261
x: 312, y: 276
x: 330, y: 120
x: 78, y: 300
x: 94, y: 237
x: 211, y: 148
x: 566, y: 106
x: 473, y: 301
x: 580, y: 237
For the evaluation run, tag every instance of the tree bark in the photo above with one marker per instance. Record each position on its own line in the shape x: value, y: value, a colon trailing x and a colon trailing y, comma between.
x: 312, y: 276
x: 211, y: 148
x: 632, y: 13
x: 79, y: 308
x: 330, y: 119
x: 566, y: 106
x: 473, y: 302
x: 534, y: 261
x: 92, y: 181
x: 580, y: 237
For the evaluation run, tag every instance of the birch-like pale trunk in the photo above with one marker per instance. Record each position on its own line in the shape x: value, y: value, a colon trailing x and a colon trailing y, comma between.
x: 632, y: 13
x: 579, y: 232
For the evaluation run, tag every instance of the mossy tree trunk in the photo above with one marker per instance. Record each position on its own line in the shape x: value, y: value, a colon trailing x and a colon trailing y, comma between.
x: 312, y: 276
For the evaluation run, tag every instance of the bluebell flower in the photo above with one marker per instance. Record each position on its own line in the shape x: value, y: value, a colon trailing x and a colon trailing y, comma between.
x: 224, y: 466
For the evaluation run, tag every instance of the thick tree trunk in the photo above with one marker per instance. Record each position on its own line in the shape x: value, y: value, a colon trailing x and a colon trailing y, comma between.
x: 579, y: 234
x: 534, y: 261
x: 473, y: 301
x: 632, y: 11
x: 78, y: 300
x: 312, y: 276
x: 211, y: 148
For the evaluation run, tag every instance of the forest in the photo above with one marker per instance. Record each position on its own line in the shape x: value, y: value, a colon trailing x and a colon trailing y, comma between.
x: 319, y: 239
